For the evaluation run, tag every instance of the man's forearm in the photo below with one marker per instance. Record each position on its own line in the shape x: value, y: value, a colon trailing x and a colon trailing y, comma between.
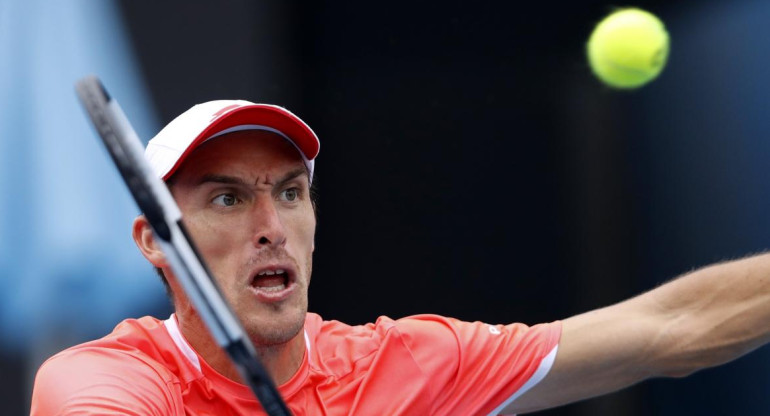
x: 704, y: 318
x: 712, y: 315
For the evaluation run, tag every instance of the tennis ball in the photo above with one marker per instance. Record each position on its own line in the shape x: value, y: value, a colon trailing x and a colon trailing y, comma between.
x: 628, y: 48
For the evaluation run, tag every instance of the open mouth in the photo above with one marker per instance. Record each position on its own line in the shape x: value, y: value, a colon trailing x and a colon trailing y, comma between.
x: 272, y: 281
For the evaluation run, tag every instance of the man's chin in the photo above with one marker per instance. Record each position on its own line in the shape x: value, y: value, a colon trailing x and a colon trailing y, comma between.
x: 276, y: 332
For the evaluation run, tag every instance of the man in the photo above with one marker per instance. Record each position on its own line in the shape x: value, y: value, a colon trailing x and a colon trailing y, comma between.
x: 242, y: 175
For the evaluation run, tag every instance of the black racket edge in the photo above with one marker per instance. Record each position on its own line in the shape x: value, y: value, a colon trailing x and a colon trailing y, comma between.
x: 95, y: 99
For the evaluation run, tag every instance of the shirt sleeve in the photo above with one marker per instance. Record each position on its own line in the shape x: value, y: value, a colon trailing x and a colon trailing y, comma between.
x: 477, y: 368
x: 99, y: 382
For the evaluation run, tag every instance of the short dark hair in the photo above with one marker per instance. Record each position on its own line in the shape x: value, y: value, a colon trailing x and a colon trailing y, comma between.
x: 313, y: 202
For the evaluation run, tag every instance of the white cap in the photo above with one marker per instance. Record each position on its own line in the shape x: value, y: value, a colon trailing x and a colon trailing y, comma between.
x: 202, y: 122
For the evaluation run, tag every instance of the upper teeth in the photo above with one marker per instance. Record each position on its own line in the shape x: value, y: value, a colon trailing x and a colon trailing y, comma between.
x: 271, y: 272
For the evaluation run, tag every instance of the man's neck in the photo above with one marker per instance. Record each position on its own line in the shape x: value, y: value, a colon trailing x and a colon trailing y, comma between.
x: 281, y: 361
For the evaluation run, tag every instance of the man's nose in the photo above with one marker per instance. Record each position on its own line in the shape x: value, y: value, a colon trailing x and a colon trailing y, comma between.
x: 268, y: 227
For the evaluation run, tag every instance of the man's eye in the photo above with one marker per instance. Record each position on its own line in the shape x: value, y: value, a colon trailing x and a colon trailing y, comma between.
x: 291, y: 194
x: 225, y: 200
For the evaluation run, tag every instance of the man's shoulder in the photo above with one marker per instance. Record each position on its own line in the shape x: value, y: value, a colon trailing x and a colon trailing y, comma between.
x: 337, y: 341
x: 132, y: 342
x: 382, y: 327
x: 121, y: 366
x: 427, y: 332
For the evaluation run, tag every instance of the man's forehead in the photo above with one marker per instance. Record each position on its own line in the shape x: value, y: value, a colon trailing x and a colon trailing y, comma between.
x: 300, y: 173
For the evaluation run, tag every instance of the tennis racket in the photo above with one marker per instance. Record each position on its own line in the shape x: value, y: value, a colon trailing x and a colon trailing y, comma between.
x: 155, y: 201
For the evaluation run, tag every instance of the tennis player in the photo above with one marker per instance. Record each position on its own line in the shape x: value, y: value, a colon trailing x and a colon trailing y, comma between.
x: 242, y: 175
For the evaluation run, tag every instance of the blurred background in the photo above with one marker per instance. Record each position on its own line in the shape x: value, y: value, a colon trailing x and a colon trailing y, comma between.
x: 470, y: 166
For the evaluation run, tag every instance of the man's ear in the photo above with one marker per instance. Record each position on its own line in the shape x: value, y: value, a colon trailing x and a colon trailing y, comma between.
x: 145, y: 240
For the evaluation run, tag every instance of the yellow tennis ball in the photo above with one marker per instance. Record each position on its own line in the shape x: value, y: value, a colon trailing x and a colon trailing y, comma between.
x: 628, y: 48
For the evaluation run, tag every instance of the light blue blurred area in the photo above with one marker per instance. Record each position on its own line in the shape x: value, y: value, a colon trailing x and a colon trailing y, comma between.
x: 705, y: 127
x: 68, y: 264
x: 705, y: 154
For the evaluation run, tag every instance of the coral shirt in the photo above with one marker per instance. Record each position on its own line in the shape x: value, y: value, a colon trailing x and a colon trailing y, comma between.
x: 419, y: 365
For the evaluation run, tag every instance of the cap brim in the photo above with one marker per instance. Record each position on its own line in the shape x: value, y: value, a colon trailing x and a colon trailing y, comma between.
x: 265, y: 115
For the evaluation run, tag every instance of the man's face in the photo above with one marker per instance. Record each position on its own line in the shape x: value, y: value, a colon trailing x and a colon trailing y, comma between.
x: 245, y: 200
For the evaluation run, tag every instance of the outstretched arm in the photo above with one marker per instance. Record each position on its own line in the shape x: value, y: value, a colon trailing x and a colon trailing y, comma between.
x: 702, y: 319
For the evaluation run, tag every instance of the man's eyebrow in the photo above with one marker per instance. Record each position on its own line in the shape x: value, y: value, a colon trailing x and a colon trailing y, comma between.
x: 292, y: 174
x: 235, y: 180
